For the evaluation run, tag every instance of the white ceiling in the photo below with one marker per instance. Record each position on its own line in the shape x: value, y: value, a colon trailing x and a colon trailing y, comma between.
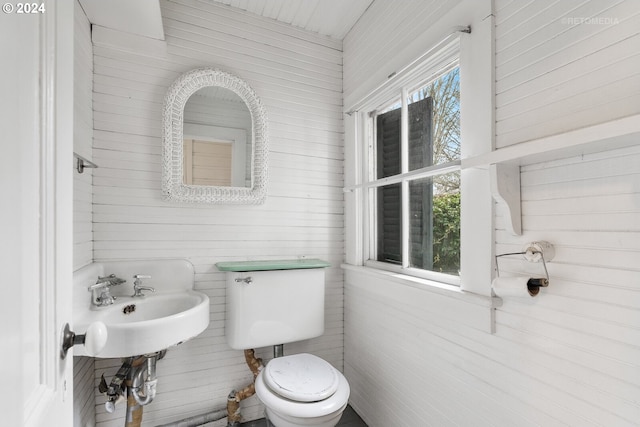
x: 333, y: 18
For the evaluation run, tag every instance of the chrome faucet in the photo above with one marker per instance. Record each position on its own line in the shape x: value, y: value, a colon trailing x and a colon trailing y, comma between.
x: 100, y: 292
x: 137, y: 285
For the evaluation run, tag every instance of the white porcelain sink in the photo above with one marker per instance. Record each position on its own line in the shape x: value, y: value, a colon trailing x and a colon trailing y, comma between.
x: 140, y: 325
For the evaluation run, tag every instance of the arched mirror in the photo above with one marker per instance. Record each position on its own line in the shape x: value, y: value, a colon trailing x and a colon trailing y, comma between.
x: 214, y: 140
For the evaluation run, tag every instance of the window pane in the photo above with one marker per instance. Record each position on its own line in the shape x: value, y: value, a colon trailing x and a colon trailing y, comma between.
x: 434, y: 122
x: 434, y: 238
x: 389, y: 224
x: 420, y: 135
x: 388, y: 143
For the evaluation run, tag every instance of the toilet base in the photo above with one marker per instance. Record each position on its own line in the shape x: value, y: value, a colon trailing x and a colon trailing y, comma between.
x: 275, y: 419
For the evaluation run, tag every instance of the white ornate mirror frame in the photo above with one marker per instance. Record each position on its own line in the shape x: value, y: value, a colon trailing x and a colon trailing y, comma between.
x: 173, y: 187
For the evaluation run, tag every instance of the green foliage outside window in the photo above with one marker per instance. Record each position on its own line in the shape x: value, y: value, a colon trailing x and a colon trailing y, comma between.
x: 446, y: 233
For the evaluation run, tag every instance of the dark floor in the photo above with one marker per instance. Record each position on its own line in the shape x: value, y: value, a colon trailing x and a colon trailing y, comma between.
x: 349, y: 419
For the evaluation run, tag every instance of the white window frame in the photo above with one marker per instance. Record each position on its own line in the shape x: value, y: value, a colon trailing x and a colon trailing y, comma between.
x: 404, y: 178
x: 476, y: 56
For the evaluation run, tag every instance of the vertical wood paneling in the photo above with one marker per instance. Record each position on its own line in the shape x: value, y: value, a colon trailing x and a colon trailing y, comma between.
x: 564, y: 65
x: 570, y: 356
x: 83, y: 367
x: 299, y: 81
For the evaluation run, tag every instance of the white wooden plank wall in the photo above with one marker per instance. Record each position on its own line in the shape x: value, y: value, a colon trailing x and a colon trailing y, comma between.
x: 298, y: 77
x: 571, y: 355
x: 562, y: 65
x: 82, y: 139
x: 568, y: 357
x: 84, y: 411
x: 83, y: 367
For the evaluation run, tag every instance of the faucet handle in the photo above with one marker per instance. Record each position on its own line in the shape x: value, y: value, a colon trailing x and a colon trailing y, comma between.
x: 137, y: 285
x: 96, y: 286
x: 110, y: 280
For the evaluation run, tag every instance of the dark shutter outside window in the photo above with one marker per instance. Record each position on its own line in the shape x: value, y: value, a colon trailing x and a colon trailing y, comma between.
x: 389, y: 209
x: 389, y: 197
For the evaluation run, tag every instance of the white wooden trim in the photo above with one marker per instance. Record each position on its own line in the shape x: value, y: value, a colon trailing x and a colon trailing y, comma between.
x: 426, y: 172
x: 614, y: 134
x: 477, y: 75
x: 404, y: 168
x: 406, y: 270
x: 39, y: 108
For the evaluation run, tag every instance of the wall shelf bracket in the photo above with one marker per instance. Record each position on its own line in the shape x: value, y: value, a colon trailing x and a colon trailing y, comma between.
x: 505, y: 188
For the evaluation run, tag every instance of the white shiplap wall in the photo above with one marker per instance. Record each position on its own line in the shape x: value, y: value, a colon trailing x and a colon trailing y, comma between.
x: 298, y: 76
x: 82, y: 139
x: 569, y: 356
x: 83, y: 367
x: 563, y: 65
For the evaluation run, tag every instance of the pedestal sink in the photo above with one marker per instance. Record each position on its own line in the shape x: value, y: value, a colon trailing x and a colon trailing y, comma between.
x: 142, y: 325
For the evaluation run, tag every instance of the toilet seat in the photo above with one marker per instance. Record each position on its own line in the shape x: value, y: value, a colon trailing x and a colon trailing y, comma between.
x: 332, y: 406
x: 301, y: 378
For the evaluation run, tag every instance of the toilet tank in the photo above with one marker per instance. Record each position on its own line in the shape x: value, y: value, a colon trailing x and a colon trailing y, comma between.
x: 266, y: 308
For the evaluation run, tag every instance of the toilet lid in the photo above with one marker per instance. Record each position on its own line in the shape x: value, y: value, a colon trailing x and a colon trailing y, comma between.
x: 301, y: 377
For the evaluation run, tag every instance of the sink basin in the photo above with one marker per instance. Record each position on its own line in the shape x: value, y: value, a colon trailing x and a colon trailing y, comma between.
x: 142, y: 325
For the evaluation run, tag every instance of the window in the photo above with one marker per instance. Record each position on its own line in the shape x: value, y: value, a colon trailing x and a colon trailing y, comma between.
x: 439, y: 230
x: 414, y: 180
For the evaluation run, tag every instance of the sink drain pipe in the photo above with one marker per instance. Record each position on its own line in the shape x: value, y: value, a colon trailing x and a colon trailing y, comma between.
x: 148, y: 384
x: 141, y: 386
x: 133, y: 417
x: 235, y: 397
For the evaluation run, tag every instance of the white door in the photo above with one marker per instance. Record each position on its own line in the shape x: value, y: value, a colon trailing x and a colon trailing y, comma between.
x: 36, y: 166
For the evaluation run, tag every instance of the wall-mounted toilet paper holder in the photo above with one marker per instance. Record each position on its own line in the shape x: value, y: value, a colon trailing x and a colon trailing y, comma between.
x: 534, y: 252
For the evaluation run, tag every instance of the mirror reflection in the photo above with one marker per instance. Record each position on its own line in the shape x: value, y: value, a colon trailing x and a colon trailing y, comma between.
x: 217, y: 139
x: 218, y: 120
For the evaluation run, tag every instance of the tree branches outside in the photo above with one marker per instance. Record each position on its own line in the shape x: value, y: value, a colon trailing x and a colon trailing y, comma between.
x: 445, y: 93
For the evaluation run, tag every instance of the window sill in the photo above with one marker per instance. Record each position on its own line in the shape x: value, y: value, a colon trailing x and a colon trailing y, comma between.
x: 426, y: 285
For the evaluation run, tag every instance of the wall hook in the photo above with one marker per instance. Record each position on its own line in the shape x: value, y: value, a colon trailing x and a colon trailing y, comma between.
x: 82, y: 163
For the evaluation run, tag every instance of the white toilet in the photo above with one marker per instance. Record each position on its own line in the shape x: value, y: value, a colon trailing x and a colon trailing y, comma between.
x: 267, y: 308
